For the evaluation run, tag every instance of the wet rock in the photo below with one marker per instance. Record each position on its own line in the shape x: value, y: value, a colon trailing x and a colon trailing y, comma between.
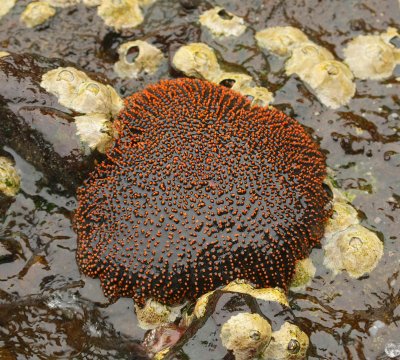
x: 83, y: 330
x: 35, y: 125
x: 190, y: 4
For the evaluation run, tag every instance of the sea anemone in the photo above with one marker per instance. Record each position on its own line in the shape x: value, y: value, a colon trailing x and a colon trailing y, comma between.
x: 200, y: 189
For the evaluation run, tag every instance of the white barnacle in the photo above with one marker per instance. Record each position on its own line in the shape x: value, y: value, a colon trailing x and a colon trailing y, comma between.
x: 197, y: 60
x: 63, y: 82
x: 10, y: 181
x: 246, y: 335
x: 373, y: 56
x: 222, y: 23
x: 91, y: 3
x: 6, y: 6
x: 37, y: 13
x: 120, y: 14
x: 75, y: 90
x: 258, y: 95
x: 96, y: 131
x: 154, y: 314
x: 280, y: 40
x: 356, y: 250
x: 289, y: 342
x: 4, y: 54
x: 304, y: 57
x: 63, y: 3
x: 332, y: 82
x: 303, y: 274
x: 147, y: 59
x: 344, y: 215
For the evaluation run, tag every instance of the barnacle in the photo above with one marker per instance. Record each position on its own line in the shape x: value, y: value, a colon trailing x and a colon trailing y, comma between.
x: 288, y: 343
x: 36, y: 13
x: 147, y: 59
x: 332, y: 81
x: 197, y: 60
x: 9, y: 179
x: 222, y: 23
x: 280, y: 40
x: 373, y: 56
x: 245, y: 334
x: 356, y: 250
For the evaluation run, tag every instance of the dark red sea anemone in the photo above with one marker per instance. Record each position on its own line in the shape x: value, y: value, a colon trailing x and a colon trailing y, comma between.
x: 201, y: 188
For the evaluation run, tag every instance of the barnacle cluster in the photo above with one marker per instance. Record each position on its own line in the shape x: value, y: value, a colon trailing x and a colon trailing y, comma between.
x: 250, y: 335
x: 330, y: 80
x: 199, y: 60
x: 97, y: 102
x: 348, y: 245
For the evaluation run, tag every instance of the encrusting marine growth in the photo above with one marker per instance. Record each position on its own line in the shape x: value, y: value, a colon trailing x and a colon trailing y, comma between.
x: 200, y: 188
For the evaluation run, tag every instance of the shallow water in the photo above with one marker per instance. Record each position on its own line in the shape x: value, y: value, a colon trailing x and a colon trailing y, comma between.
x: 48, y: 310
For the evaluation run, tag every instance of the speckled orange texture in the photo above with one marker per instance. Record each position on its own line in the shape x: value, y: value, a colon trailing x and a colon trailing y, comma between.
x: 200, y: 189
